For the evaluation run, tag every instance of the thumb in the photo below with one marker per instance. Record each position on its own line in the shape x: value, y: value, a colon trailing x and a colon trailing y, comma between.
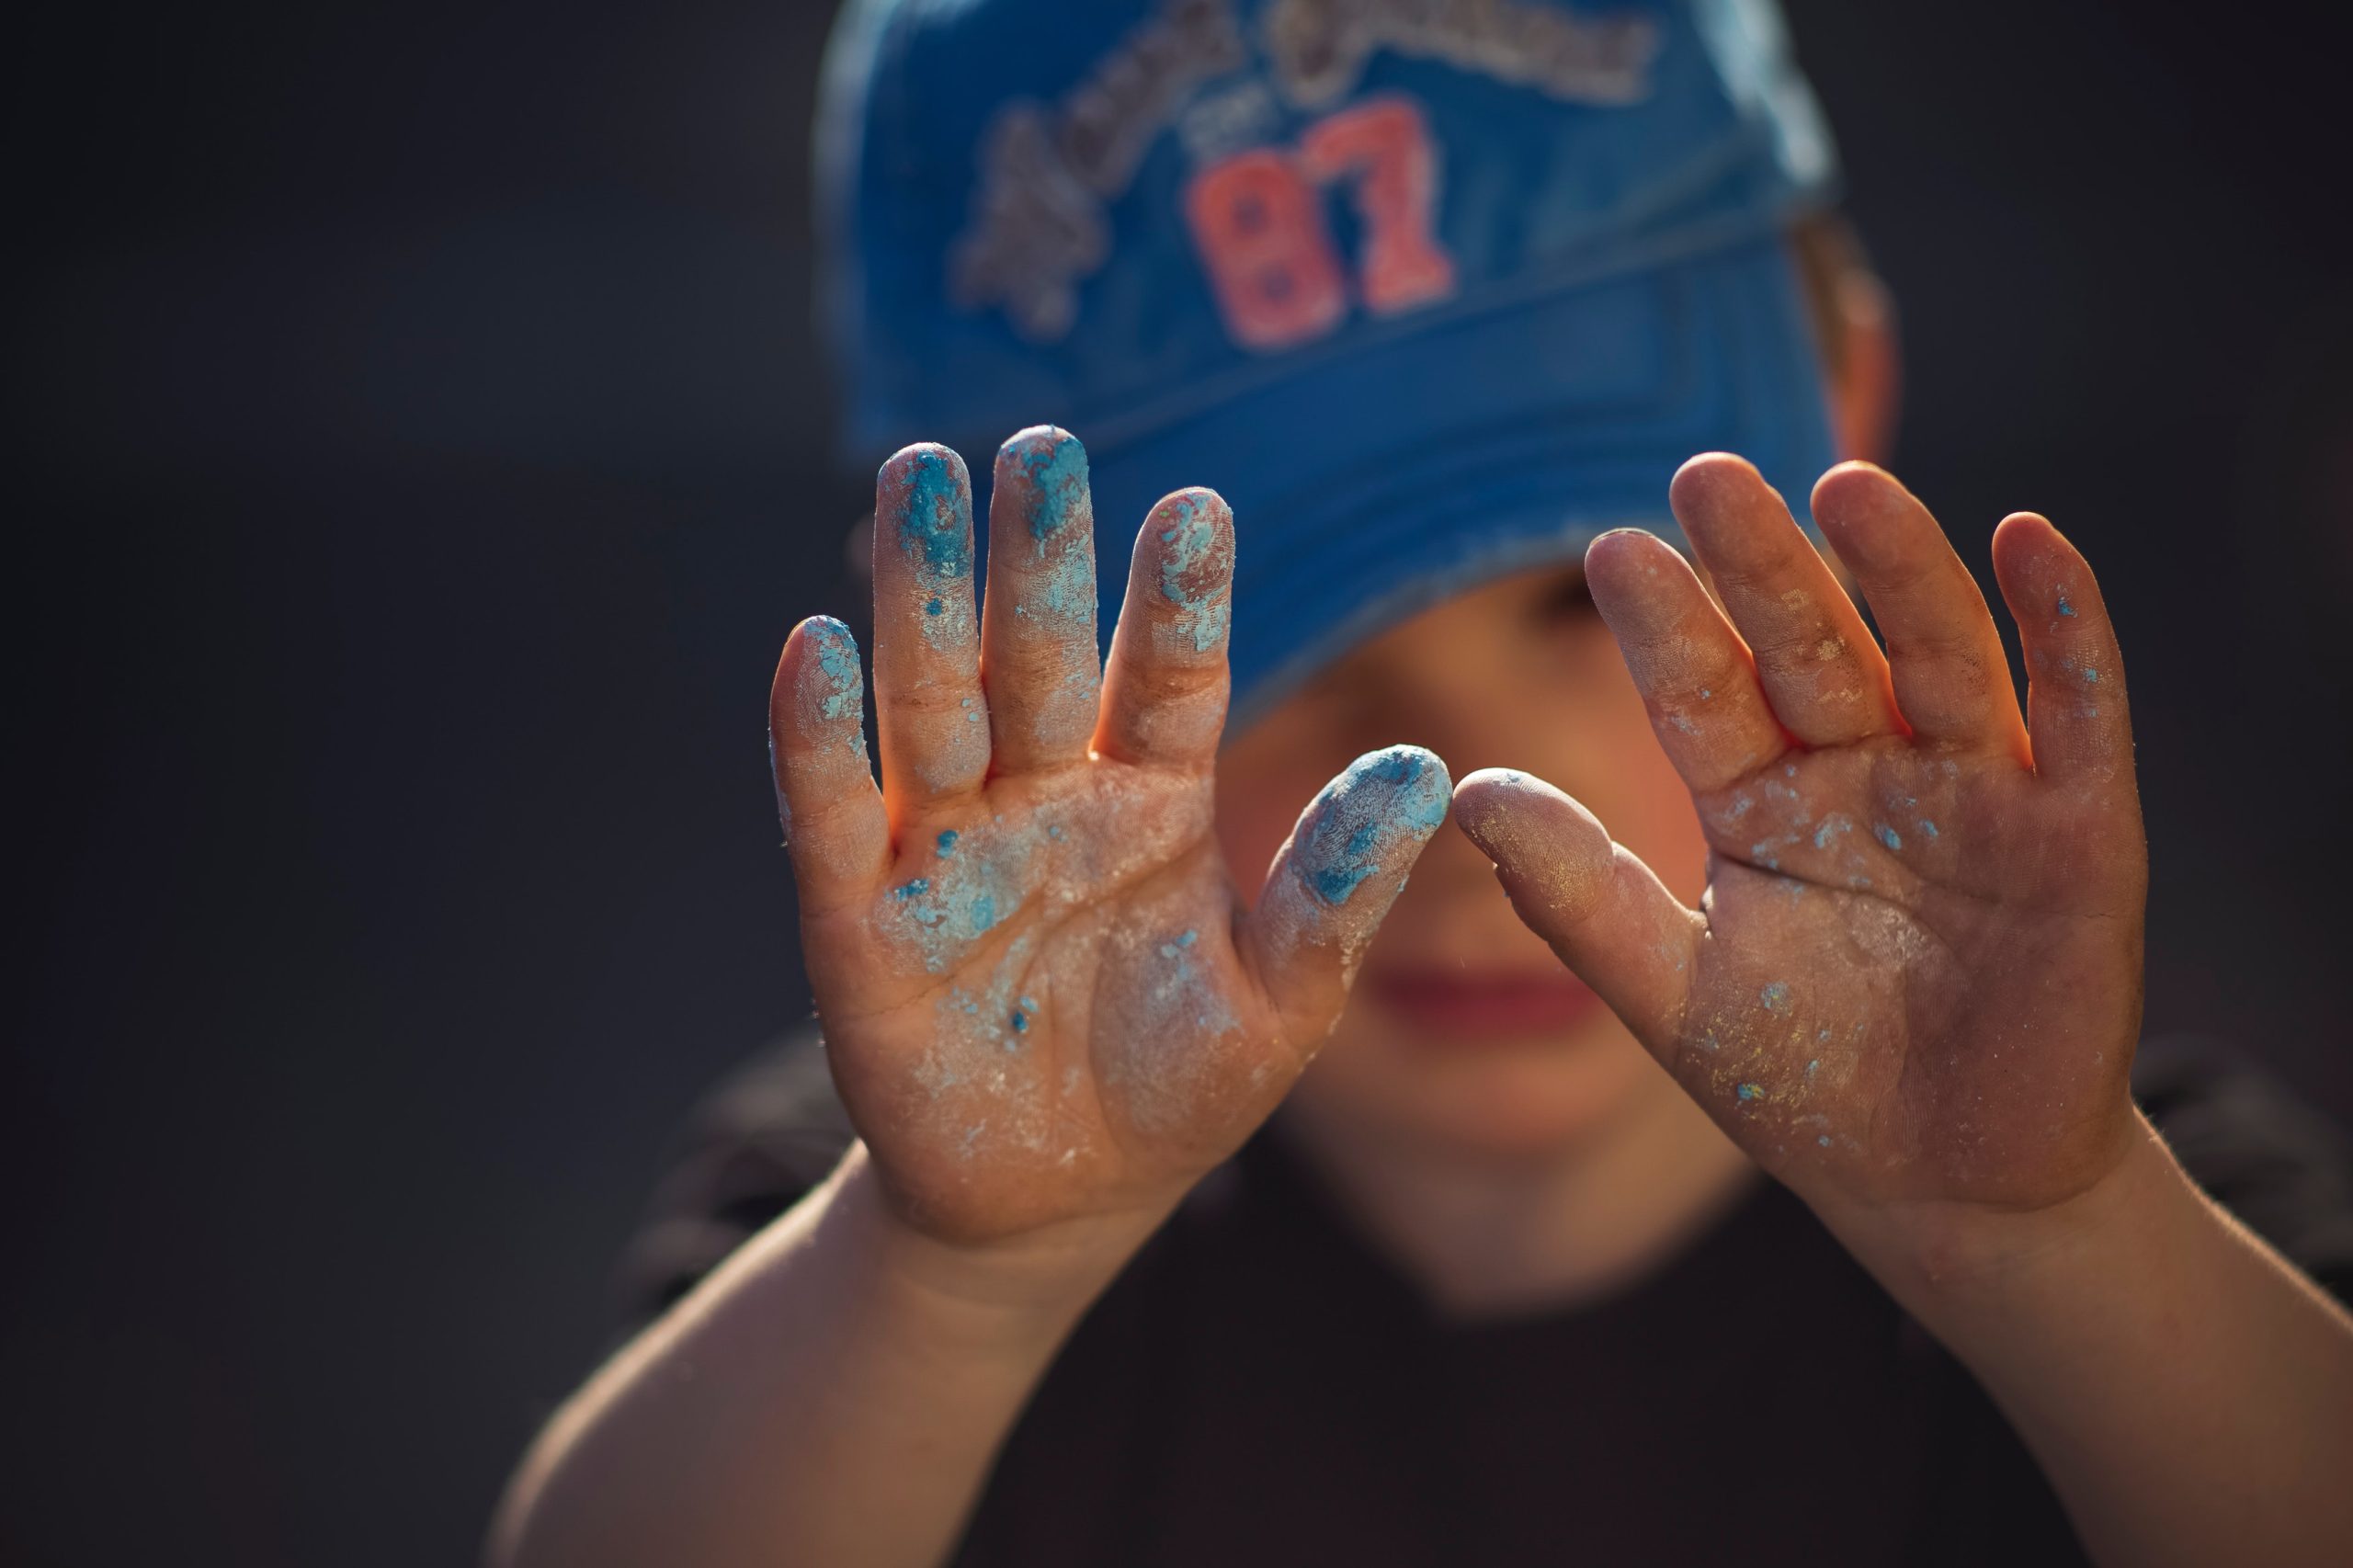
x: 1605, y: 913
x: 1335, y: 879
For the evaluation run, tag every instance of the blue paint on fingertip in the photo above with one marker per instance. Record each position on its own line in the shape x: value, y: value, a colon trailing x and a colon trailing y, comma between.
x: 1205, y: 609
x: 837, y: 669
x: 1056, y: 464
x: 1383, y: 800
x: 935, y: 523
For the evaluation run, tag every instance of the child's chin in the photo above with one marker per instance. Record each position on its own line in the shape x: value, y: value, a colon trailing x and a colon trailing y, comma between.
x: 1526, y: 1099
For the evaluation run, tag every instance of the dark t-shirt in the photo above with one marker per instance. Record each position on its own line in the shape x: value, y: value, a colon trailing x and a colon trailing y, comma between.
x: 1260, y: 1386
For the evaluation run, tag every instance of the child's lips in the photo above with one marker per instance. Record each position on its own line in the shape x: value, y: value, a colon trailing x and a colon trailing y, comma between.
x: 1462, y: 1003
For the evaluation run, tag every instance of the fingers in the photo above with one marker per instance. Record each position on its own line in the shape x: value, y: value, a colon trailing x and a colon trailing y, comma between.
x: 1038, y: 663
x: 1335, y: 879
x: 1823, y: 675
x: 1951, y: 677
x: 2076, y: 713
x: 931, y: 718
x: 834, y: 820
x: 1164, y: 689
x: 1602, y: 910
x: 1694, y: 672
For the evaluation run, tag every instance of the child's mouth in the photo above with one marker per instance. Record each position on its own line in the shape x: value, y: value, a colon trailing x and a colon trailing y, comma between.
x: 1471, y: 1004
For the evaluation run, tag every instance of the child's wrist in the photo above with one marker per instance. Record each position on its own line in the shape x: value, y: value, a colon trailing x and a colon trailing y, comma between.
x: 1943, y: 1259
x: 1961, y: 1268
x: 1009, y: 1289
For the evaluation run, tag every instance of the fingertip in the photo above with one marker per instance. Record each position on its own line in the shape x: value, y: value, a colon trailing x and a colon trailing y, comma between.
x: 2023, y: 531
x: 1622, y: 564
x: 1622, y: 553
x: 920, y: 461
x: 1046, y: 466
x: 1375, y: 816
x: 1854, y: 486
x: 1710, y: 479
x: 1862, y: 509
x: 1712, y: 467
x: 2038, y: 566
x: 820, y: 679
x: 1040, y: 442
x: 923, y: 507
x: 1497, y: 808
x: 1194, y: 505
x: 1185, y: 554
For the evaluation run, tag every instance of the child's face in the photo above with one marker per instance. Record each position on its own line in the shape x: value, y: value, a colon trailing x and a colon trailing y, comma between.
x: 1464, y: 1030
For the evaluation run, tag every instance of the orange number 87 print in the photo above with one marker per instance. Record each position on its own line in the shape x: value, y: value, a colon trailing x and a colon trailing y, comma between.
x: 1257, y: 220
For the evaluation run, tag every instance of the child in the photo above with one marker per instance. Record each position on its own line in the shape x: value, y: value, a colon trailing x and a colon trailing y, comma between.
x: 1490, y: 1288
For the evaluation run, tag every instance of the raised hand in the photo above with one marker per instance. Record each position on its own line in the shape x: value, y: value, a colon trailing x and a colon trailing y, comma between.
x: 1915, y: 975
x: 1041, y: 997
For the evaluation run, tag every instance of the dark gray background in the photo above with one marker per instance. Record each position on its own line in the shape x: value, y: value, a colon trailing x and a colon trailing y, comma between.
x: 421, y: 448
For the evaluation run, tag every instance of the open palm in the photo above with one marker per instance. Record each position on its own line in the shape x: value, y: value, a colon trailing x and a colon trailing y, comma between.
x: 1915, y: 973
x: 1041, y: 997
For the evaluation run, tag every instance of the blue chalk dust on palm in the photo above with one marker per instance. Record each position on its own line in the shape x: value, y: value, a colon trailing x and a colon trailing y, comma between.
x: 1928, y: 827
x: 977, y: 885
x: 1888, y: 835
x: 1382, y: 801
x: 1185, y: 990
x: 1776, y: 997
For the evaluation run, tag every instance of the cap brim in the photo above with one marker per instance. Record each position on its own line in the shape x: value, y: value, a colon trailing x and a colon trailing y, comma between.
x: 1366, y: 488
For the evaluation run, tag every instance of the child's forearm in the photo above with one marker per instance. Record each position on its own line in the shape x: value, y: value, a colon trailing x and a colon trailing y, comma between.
x: 2188, y: 1393
x: 834, y: 1393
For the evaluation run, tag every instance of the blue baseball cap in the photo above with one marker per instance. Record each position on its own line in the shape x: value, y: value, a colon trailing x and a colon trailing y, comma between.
x: 1430, y: 291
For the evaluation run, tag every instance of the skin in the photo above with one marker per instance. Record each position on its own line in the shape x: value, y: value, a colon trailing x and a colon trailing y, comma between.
x: 1045, y: 1002
x: 1912, y: 987
x: 1924, y: 1034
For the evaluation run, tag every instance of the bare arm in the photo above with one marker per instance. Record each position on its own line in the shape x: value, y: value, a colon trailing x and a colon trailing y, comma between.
x: 834, y: 1393
x: 1912, y: 991
x: 1045, y: 1007
x: 2188, y: 1391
